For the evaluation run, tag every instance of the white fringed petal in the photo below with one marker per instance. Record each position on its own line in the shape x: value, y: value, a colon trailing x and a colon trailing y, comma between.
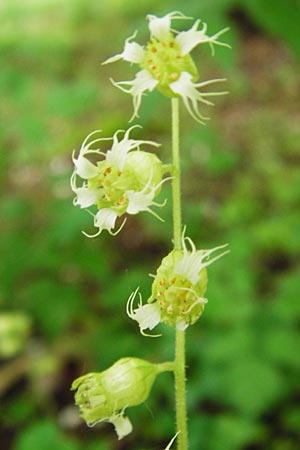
x: 138, y: 201
x: 105, y: 219
x: 159, y: 27
x: 122, y: 425
x: 133, y: 53
x: 187, y: 40
x: 142, y: 82
x: 141, y: 200
x: 194, y: 261
x: 147, y: 316
x: 84, y: 168
x: 190, y: 266
x: 191, y: 96
x: 119, y: 150
x: 86, y: 197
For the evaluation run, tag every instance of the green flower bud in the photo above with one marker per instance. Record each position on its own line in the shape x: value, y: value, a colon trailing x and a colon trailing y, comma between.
x: 142, y: 168
x: 103, y: 397
x: 14, y: 332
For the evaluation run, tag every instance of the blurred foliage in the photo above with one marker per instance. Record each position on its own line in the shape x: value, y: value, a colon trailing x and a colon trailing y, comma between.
x: 241, y: 178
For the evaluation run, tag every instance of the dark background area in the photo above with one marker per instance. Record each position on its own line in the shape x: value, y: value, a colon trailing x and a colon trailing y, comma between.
x: 63, y: 296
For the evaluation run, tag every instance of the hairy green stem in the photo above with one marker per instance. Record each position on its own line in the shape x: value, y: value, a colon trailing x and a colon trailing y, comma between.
x: 176, y: 190
x: 180, y: 389
x: 181, y: 414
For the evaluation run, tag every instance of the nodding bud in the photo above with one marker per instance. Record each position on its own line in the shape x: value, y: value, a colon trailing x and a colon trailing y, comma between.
x: 103, y: 396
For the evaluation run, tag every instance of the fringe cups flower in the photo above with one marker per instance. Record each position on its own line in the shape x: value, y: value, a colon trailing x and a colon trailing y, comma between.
x: 104, y: 396
x: 166, y: 63
x: 178, y: 289
x: 124, y: 179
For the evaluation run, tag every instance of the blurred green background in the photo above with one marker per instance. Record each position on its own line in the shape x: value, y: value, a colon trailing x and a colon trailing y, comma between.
x: 63, y: 296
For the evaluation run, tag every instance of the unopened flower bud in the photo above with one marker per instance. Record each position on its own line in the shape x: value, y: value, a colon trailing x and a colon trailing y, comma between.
x: 140, y: 167
x: 103, y: 396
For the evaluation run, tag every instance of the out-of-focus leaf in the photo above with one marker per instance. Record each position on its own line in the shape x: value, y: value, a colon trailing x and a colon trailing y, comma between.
x: 44, y: 435
x: 234, y: 430
x: 252, y: 385
x: 53, y: 306
x: 282, y: 20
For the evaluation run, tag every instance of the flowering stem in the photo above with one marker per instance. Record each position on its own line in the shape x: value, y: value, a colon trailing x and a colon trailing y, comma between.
x: 181, y: 415
x: 176, y: 192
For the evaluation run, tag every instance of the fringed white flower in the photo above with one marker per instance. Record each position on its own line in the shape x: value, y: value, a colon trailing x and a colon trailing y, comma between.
x: 119, y: 181
x: 178, y: 289
x: 166, y: 63
x: 187, y: 90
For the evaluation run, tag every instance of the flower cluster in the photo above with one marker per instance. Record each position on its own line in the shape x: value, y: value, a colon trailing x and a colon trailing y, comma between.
x: 124, y: 180
x: 178, y: 289
x: 104, y: 396
x: 166, y: 63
